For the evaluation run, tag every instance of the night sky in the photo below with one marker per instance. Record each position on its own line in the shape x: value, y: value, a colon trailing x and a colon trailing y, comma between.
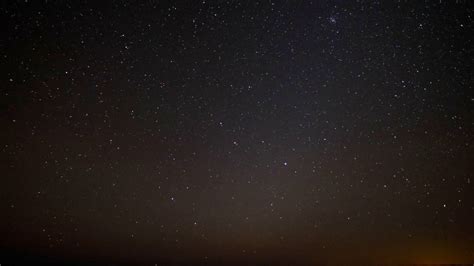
x: 220, y: 132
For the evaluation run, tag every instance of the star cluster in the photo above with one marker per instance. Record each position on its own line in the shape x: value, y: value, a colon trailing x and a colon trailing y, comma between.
x: 237, y: 131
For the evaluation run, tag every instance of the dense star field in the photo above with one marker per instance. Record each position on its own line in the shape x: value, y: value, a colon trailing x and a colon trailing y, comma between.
x: 236, y: 132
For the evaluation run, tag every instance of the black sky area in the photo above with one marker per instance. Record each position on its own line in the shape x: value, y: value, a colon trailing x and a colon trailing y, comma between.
x: 236, y: 132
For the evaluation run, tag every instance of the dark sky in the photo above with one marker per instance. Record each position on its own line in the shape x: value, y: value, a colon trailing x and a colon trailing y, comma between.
x: 237, y: 131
